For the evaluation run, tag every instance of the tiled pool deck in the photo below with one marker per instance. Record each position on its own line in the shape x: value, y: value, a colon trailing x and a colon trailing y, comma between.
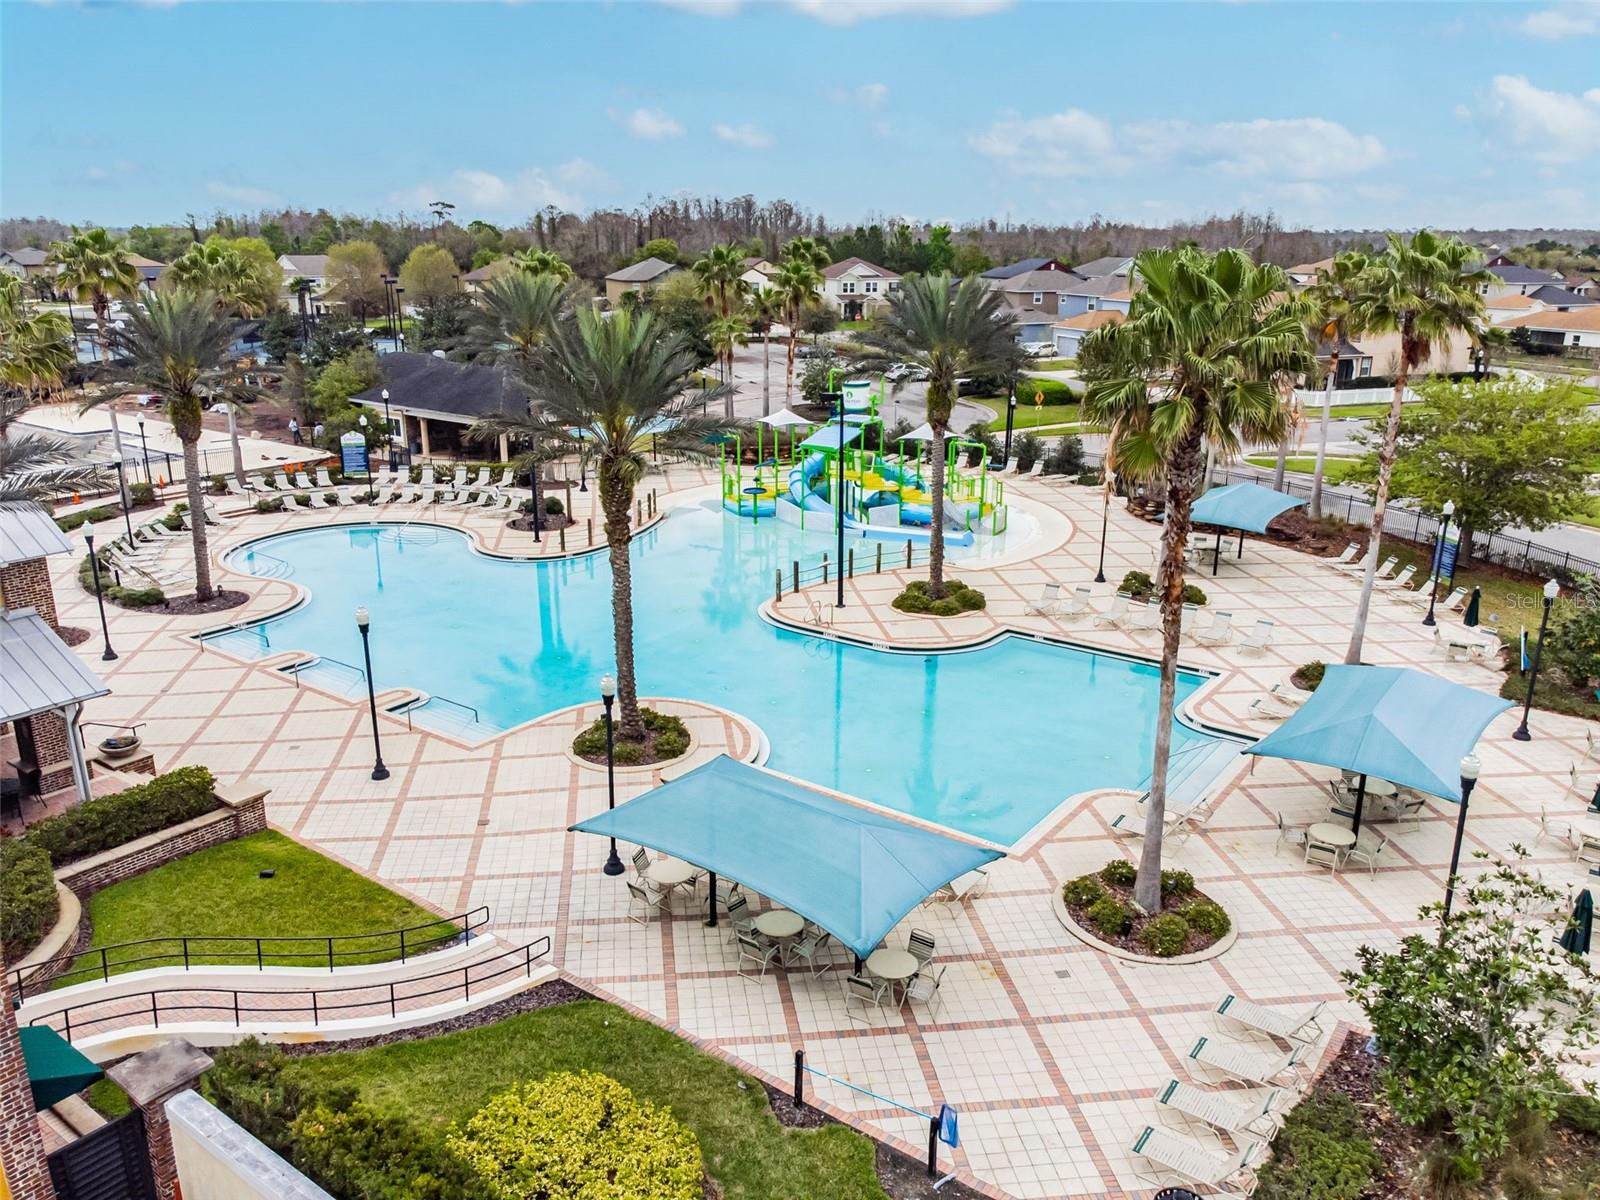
x: 1050, y: 1050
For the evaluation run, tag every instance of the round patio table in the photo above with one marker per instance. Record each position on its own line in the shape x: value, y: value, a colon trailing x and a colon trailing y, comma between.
x: 780, y: 923
x: 1375, y: 786
x: 1328, y: 834
x: 669, y: 872
x: 893, y: 965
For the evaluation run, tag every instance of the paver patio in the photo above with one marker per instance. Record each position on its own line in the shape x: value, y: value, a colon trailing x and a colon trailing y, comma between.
x: 1050, y: 1050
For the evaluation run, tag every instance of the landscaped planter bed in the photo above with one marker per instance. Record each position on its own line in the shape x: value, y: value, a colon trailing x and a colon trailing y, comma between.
x: 1190, y: 926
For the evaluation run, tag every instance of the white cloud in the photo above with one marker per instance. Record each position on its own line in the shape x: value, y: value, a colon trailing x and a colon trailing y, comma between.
x: 750, y: 136
x: 483, y: 191
x: 849, y: 12
x: 869, y: 96
x: 580, y: 172
x: 236, y: 193
x: 651, y: 124
x: 1557, y: 127
x: 1075, y: 142
x: 1578, y: 18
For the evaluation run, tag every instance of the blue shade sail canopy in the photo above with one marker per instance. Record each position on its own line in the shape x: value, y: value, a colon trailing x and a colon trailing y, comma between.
x: 828, y: 437
x: 853, y: 870
x: 1393, y: 723
x: 1247, y: 506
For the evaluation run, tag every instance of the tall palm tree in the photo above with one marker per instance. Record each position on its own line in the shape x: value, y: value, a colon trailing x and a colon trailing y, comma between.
x: 93, y: 268
x: 1426, y: 290
x: 1201, y: 362
x: 300, y: 288
x: 948, y: 331
x: 762, y: 312
x: 541, y: 262
x: 178, y: 343
x: 601, y: 386
x: 718, y: 273
x: 799, y: 276
x: 36, y: 348
x: 1331, y: 299
x: 724, y: 334
x: 238, y: 283
x: 515, y: 314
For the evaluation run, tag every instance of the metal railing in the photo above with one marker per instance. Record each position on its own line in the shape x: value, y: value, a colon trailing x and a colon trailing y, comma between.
x: 320, y: 660
x: 296, y: 1004
x: 864, y: 556
x: 444, y: 700
x: 276, y: 568
x: 259, y: 952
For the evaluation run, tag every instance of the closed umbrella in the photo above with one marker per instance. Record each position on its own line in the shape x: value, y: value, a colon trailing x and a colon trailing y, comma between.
x: 1576, y: 939
x: 1471, y: 617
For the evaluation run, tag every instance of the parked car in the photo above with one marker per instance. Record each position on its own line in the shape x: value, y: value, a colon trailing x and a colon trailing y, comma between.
x: 813, y: 351
x: 896, y: 373
x: 1038, y: 349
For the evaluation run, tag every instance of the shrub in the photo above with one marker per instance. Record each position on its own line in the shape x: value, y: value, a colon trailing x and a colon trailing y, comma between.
x: 1206, y: 918
x: 109, y: 821
x: 1065, y: 457
x: 1166, y: 935
x: 672, y: 739
x: 1448, y: 1173
x: 28, y: 902
x: 1308, y: 676
x: 1119, y: 872
x: 1137, y: 584
x: 1322, y: 1153
x: 978, y: 432
x: 1109, y: 915
x: 141, y: 493
x: 573, y: 1135
x: 355, y: 1150
x: 270, y: 504
x: 957, y: 598
x: 1193, y: 595
x: 74, y: 520
x: 1027, y: 451
x: 553, y: 506
x: 145, y: 597
x: 1082, y: 892
x: 1175, y: 885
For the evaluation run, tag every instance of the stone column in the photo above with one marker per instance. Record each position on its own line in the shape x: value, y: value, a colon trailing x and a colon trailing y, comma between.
x: 151, y: 1079
x: 24, y: 1173
x: 422, y: 432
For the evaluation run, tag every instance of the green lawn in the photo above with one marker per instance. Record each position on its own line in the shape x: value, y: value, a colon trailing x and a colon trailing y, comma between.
x: 864, y: 323
x: 1028, y: 416
x: 217, y: 892
x: 1334, y: 470
x: 1052, y: 364
x: 436, y: 1081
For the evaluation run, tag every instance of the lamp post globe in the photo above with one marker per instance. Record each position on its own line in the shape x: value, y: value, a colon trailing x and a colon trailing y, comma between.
x: 1552, y: 589
x: 108, y: 655
x: 364, y: 623
x: 608, y: 696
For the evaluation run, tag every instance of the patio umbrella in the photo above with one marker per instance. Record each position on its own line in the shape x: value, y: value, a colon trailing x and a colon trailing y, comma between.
x: 783, y: 419
x: 1576, y: 939
x: 1471, y: 617
x: 1393, y: 723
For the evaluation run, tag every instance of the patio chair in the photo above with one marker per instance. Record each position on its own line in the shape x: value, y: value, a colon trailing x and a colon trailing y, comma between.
x: 1212, y: 1057
x: 459, y: 479
x: 754, y: 951
x: 811, y: 949
x: 1048, y: 604
x: 727, y: 889
x: 1294, y: 835
x: 262, y: 483
x: 644, y: 902
x: 1236, y: 1113
x: 323, y: 481
x: 740, y: 917
x: 1398, y: 581
x: 1321, y: 854
x: 303, y: 481
x: 864, y: 991
x: 962, y: 888
x: 923, y: 988
x: 1386, y: 568
x: 345, y: 499
x: 317, y: 501
x: 1011, y: 465
x: 1166, y: 1154
x: 1591, y: 744
x: 921, y: 944
x: 1114, y: 613
x: 1219, y: 632
x: 284, y: 485
x: 234, y: 489
x: 1146, y: 617
x: 1259, y: 637
x: 1078, y: 604
x: 641, y: 860
x: 1300, y: 1026
x: 1348, y: 555
x: 290, y: 504
x: 1419, y: 596
x: 1555, y: 828
x: 428, y: 480
x: 482, y: 481
x: 506, y: 478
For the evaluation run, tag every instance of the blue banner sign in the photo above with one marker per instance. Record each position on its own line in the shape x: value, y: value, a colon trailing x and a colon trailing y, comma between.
x: 353, y: 454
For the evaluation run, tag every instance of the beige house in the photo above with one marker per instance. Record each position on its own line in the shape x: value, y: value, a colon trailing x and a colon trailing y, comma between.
x: 759, y: 274
x: 1305, y: 274
x: 25, y: 262
x: 1577, y: 329
x: 637, y: 277
x: 854, y: 288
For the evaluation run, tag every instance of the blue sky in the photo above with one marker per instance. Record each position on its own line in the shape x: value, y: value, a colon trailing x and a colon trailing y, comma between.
x: 1338, y: 115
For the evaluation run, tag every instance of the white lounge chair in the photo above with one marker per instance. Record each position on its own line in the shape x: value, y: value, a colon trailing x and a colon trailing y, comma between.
x: 1077, y: 604
x: 1400, y: 580
x: 1049, y: 602
x: 1113, y: 614
x: 1037, y: 469
x: 1011, y: 465
x: 303, y: 481
x: 1213, y: 1057
x: 316, y: 500
x: 1420, y: 595
x: 1166, y: 1154
x: 1146, y: 617
x: 1348, y: 555
x: 1259, y: 637
x: 1235, y: 1113
x: 323, y: 481
x: 1456, y: 601
x: 284, y: 485
x: 344, y: 498
x: 507, y: 478
x: 428, y: 479
x: 262, y: 483
x: 1219, y: 632
x: 1302, y: 1025
x: 1386, y: 568
x: 290, y: 504
x: 234, y: 489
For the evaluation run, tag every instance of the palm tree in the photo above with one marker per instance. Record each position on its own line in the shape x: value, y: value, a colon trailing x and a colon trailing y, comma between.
x: 237, y: 282
x: 514, y: 316
x: 601, y: 386
x: 178, y: 344
x: 1424, y: 290
x: 764, y: 309
x: 1331, y: 298
x: 718, y: 273
x: 93, y: 268
x: 799, y: 277
x: 1202, y: 362
x: 36, y: 348
x: 300, y: 288
x: 541, y: 262
x: 724, y: 334
x: 35, y: 465
x: 948, y: 331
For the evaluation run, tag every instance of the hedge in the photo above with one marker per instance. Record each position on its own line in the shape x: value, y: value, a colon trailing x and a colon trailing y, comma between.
x: 74, y: 520
x: 108, y: 821
x: 147, y: 597
x: 28, y: 902
x: 1322, y: 1152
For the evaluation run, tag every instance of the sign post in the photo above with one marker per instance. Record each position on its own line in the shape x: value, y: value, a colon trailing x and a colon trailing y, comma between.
x: 353, y: 456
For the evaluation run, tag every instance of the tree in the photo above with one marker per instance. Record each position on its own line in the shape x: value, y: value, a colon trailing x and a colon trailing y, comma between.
x: 443, y: 324
x: 241, y: 272
x: 1331, y: 298
x: 679, y: 308
x: 541, y: 262
x: 1474, y: 1027
x: 663, y: 248
x: 970, y: 260
x: 764, y: 309
x: 36, y: 348
x: 718, y: 274
x: 428, y: 273
x: 93, y: 268
x: 336, y: 335
x: 799, y: 276
x: 178, y: 343
x: 340, y: 380
x: 1205, y: 358
x: 355, y: 273
x: 513, y: 319
x: 280, y: 334
x: 1423, y: 290
x: 948, y: 331
x: 1507, y: 452
x: 36, y: 465
x: 600, y: 384
x: 818, y: 319
x: 725, y: 333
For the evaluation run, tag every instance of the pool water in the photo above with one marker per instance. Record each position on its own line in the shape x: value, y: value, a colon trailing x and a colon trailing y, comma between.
x: 988, y: 741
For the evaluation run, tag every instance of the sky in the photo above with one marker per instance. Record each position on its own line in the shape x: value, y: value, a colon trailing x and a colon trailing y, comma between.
x: 1342, y: 115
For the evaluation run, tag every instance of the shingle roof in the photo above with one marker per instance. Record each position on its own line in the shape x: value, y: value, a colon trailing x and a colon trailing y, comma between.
x: 1511, y: 300
x: 1311, y: 268
x: 311, y: 265
x: 41, y: 673
x: 1558, y: 297
x: 27, y: 531
x: 641, y: 272
x: 1516, y: 273
x: 28, y: 256
x: 1102, y: 285
x: 487, y: 271
x: 1585, y: 319
x: 1012, y: 270
x: 1104, y: 266
x: 1039, y: 281
x: 1092, y: 320
x: 837, y: 269
x: 437, y: 385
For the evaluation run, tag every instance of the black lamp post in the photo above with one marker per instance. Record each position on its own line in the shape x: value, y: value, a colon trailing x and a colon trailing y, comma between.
x: 122, y: 490
x: 1105, y: 520
x: 388, y: 428
x: 1011, y: 416
x: 1438, y: 557
x: 144, y: 449
x: 1469, y: 778
x: 94, y: 572
x: 1551, y: 590
x: 363, y: 620
x: 400, y: 312
x: 608, y: 694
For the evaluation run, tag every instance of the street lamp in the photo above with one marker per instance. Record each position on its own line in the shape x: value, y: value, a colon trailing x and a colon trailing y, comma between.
x: 144, y: 448
x: 1011, y: 416
x: 1438, y: 559
x: 363, y: 620
x: 1105, y: 520
x: 1469, y: 778
x: 608, y: 693
x: 122, y: 490
x: 94, y: 571
x: 400, y: 312
x: 1551, y: 590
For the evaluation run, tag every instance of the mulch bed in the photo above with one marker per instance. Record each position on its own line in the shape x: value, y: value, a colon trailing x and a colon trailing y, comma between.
x: 73, y: 636
x: 220, y: 602
x: 648, y: 753
x: 550, y: 524
x: 1129, y: 940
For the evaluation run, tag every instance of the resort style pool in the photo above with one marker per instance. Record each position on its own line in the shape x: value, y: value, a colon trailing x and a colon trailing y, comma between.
x: 987, y: 741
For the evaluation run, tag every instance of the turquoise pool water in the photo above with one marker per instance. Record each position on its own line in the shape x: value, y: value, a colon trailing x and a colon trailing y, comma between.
x: 988, y: 741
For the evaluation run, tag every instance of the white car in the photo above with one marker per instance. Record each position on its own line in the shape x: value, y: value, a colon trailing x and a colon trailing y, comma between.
x: 1038, y: 349
x: 896, y: 373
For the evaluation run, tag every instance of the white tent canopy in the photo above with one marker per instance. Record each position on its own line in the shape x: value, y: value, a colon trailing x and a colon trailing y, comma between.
x: 784, y: 419
x: 922, y: 433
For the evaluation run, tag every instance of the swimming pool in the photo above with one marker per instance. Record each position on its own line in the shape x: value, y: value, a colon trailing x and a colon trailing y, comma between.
x: 988, y: 741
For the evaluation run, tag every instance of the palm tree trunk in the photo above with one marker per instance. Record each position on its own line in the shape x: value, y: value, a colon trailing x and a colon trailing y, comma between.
x: 936, y: 524
x: 1322, y: 440
x: 1380, y: 502
x: 788, y: 372
x: 103, y: 326
x: 615, y: 499
x: 1282, y: 463
x: 233, y: 439
x: 197, y: 515
x: 1181, y: 485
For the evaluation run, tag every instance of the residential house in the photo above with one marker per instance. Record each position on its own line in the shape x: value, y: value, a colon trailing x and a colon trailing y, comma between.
x: 1080, y: 295
x: 312, y: 267
x: 1500, y: 309
x: 759, y: 274
x: 1559, y: 298
x: 1354, y: 362
x: 1582, y: 285
x: 25, y: 262
x: 853, y: 288
x: 1095, y: 268
x: 1515, y: 278
x: 1578, y: 328
x: 636, y: 277
x: 432, y: 401
x: 1022, y: 267
x: 149, y: 269
x: 1034, y: 300
x: 1305, y: 274
x: 1068, y: 332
